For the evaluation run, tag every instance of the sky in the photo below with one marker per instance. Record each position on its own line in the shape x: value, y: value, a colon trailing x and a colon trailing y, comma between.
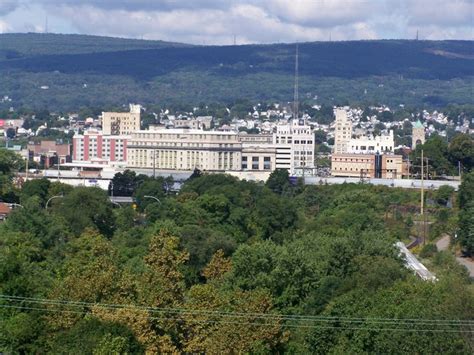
x: 221, y: 22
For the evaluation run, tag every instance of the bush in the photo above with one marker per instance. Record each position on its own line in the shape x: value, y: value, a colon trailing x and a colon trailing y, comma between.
x: 428, y: 251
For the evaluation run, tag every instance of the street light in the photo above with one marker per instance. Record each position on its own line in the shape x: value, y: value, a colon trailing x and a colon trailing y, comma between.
x: 51, y: 198
x: 153, y: 197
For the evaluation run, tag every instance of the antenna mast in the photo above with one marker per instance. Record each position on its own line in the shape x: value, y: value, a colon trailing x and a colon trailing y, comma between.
x: 46, y: 25
x: 295, y: 103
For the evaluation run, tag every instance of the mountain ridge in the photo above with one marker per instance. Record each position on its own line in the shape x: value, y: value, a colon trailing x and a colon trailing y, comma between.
x: 138, y: 65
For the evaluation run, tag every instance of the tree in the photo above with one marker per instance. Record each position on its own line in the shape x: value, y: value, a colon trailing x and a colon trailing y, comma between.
x: 9, y: 162
x: 435, y: 150
x: 466, y: 190
x: 151, y: 187
x: 37, y: 187
x: 320, y: 136
x: 443, y: 194
x: 124, y: 184
x: 196, y: 173
x: 461, y: 149
x: 90, y: 274
x: 87, y: 207
x: 279, y: 181
x: 11, y: 133
x: 466, y: 213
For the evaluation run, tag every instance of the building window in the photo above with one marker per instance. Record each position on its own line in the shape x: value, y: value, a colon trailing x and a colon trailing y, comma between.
x: 266, y: 163
x: 255, y: 161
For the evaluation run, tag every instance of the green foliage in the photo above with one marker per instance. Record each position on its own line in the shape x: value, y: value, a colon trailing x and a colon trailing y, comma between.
x: 443, y: 194
x: 222, y: 246
x: 38, y: 188
x: 466, y: 214
x: 394, y: 72
x: 461, y: 149
x: 87, y: 207
x: 92, y: 336
x: 9, y: 161
x: 279, y: 181
x: 428, y: 251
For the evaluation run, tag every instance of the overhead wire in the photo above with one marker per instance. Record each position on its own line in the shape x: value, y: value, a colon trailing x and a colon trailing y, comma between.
x: 284, y: 325
x: 441, y: 325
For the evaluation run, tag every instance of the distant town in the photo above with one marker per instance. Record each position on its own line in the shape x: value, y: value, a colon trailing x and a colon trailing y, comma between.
x: 352, y: 143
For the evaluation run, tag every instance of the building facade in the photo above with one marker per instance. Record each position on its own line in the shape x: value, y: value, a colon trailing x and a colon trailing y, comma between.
x: 94, y: 146
x: 342, y: 132
x: 48, y: 153
x: 344, y: 142
x: 183, y: 149
x: 370, y: 144
x: 121, y: 123
x: 387, y: 166
x: 294, y: 144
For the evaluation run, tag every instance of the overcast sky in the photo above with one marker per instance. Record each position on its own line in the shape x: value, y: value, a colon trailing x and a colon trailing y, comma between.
x: 251, y: 21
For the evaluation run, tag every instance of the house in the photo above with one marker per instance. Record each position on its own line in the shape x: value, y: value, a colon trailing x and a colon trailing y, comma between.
x: 5, y: 210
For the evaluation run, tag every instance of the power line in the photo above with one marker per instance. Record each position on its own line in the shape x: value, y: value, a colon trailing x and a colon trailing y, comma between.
x: 313, y: 326
x: 237, y: 315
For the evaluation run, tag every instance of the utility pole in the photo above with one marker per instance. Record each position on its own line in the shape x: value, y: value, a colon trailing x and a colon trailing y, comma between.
x: 422, y: 184
x: 459, y: 169
x: 26, y: 167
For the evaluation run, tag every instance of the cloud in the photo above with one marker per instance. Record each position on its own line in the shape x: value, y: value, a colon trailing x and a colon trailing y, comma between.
x: 252, y: 21
x: 7, y: 6
x: 441, y: 13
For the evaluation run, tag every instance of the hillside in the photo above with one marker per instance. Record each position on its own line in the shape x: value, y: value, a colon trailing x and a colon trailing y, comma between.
x: 18, y: 45
x: 115, y: 71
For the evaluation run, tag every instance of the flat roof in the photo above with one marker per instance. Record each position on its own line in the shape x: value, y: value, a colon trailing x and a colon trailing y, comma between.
x: 184, y: 131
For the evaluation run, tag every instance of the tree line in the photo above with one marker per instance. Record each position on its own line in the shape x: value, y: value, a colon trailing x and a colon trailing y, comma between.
x: 223, y: 266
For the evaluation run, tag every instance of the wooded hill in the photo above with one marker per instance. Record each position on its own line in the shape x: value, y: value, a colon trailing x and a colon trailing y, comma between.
x: 116, y: 71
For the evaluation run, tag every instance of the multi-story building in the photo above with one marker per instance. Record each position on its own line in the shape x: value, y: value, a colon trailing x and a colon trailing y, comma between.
x: 388, y: 166
x: 371, y: 144
x: 183, y: 149
x: 344, y: 142
x: 258, y: 152
x: 121, y: 123
x: 343, y: 132
x: 294, y: 143
x: 187, y: 149
x: 48, y: 153
x: 95, y: 146
x: 417, y: 135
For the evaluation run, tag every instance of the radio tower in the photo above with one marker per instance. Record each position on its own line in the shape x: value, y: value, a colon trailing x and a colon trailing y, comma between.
x: 295, y: 103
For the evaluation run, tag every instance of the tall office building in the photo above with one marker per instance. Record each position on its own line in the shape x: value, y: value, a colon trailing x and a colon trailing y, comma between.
x: 121, y: 123
x: 294, y: 143
x: 343, y: 132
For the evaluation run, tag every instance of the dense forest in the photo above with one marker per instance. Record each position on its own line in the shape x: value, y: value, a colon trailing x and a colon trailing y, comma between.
x: 228, y: 266
x: 83, y: 71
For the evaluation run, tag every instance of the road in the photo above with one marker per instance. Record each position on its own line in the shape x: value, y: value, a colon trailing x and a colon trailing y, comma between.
x: 443, y: 244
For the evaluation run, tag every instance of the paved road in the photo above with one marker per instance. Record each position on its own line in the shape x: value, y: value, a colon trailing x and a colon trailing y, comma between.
x: 443, y: 244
